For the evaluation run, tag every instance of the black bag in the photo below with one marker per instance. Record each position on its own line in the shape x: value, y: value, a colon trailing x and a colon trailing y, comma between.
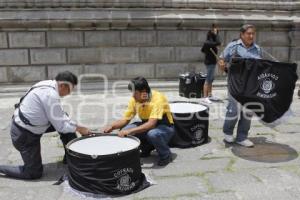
x: 257, y: 83
x: 191, y: 85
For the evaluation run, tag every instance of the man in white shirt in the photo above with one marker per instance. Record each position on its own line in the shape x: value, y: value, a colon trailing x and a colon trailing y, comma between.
x: 39, y: 112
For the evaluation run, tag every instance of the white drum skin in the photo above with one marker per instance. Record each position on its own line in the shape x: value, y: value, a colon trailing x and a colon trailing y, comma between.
x: 182, y: 107
x: 104, y: 145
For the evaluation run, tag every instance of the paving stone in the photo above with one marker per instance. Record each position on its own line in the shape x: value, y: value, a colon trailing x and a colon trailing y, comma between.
x: 111, y: 71
x: 180, y: 186
x: 174, y: 38
x: 157, y: 54
x: 179, y: 168
x: 220, y: 196
x: 171, y: 69
x: 3, y: 74
x: 288, y: 129
x: 251, y: 186
x: 3, y: 40
x: 273, y: 38
x: 138, y: 38
x: 14, y: 57
x: 29, y: 193
x: 189, y: 54
x: 27, y: 73
x: 65, y: 38
x: 120, y: 55
x: 102, y: 38
x: 134, y: 70
x: 27, y: 39
x: 48, y: 56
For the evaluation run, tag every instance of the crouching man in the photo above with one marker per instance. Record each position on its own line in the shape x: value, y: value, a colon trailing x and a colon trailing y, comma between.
x: 156, y: 128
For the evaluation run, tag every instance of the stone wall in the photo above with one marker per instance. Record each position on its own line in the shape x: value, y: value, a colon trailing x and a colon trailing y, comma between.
x: 150, y: 38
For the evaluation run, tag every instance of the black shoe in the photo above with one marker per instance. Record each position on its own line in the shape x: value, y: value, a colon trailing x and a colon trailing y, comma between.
x: 146, y: 151
x: 145, y: 154
x: 164, y: 162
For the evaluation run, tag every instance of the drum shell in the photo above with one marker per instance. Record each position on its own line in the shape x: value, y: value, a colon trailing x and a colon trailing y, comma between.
x: 191, y: 85
x: 191, y: 129
x: 115, y: 174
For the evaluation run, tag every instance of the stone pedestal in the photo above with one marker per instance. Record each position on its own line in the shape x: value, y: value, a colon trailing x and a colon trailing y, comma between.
x: 155, y: 38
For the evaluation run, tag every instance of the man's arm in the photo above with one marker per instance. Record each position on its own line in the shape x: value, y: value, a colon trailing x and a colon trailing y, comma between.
x: 116, y: 125
x: 58, y: 118
x: 150, y: 124
x: 225, y: 57
x: 128, y: 115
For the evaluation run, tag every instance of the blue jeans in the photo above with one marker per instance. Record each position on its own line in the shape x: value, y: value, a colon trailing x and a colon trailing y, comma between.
x: 210, y: 73
x: 158, y: 138
x: 231, y: 119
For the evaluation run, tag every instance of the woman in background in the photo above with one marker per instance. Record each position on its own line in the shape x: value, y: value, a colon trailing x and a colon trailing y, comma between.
x: 210, y: 50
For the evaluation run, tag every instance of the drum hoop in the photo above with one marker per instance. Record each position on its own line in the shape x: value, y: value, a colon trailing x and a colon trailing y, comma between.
x: 82, y: 155
x: 192, y: 102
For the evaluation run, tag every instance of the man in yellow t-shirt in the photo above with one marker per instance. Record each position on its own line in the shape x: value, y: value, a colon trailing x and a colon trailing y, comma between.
x: 156, y: 128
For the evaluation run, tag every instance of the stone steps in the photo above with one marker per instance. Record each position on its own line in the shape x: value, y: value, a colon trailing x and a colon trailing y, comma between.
x: 107, y: 19
x: 191, y: 4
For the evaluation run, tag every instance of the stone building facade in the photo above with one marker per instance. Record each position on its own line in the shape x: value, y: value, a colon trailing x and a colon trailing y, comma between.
x: 124, y: 38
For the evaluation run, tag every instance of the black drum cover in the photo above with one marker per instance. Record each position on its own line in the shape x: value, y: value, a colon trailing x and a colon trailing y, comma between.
x: 191, y: 129
x: 257, y: 83
x: 191, y: 85
x: 116, y: 174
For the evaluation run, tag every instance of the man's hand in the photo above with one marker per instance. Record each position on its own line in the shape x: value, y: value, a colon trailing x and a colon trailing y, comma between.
x: 108, y: 129
x: 124, y: 133
x: 222, y: 65
x: 83, y: 130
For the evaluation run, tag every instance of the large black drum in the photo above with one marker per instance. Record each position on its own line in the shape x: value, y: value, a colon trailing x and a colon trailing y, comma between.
x: 191, y: 85
x: 191, y: 124
x: 104, y: 164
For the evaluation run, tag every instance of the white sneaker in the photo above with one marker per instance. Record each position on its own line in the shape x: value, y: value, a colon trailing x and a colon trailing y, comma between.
x: 228, y: 138
x: 246, y: 143
x: 207, y: 101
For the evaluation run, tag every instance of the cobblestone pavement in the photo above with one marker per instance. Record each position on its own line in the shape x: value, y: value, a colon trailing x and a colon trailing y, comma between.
x: 213, y: 171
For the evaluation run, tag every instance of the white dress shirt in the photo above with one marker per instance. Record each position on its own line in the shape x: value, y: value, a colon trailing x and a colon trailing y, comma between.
x: 42, y: 107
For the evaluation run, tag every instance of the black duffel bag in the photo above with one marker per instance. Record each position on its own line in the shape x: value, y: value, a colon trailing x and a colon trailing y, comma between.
x: 191, y: 84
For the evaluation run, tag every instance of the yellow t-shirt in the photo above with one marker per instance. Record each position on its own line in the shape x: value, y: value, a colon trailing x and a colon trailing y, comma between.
x: 156, y: 108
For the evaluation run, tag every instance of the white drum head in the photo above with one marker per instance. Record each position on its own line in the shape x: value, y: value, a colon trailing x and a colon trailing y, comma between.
x: 185, y: 107
x: 103, y: 145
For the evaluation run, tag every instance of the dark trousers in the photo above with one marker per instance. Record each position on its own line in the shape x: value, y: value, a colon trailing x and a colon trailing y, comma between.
x: 29, y: 146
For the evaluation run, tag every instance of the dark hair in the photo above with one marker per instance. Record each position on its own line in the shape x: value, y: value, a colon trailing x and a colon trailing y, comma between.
x: 210, y: 34
x: 245, y: 27
x: 67, y: 76
x: 139, y: 84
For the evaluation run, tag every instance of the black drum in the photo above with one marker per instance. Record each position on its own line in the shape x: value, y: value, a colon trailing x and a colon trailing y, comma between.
x: 191, y: 85
x: 104, y: 164
x: 191, y: 124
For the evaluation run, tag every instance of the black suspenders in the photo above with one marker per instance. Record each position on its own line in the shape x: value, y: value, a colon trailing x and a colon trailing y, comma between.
x: 21, y: 115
